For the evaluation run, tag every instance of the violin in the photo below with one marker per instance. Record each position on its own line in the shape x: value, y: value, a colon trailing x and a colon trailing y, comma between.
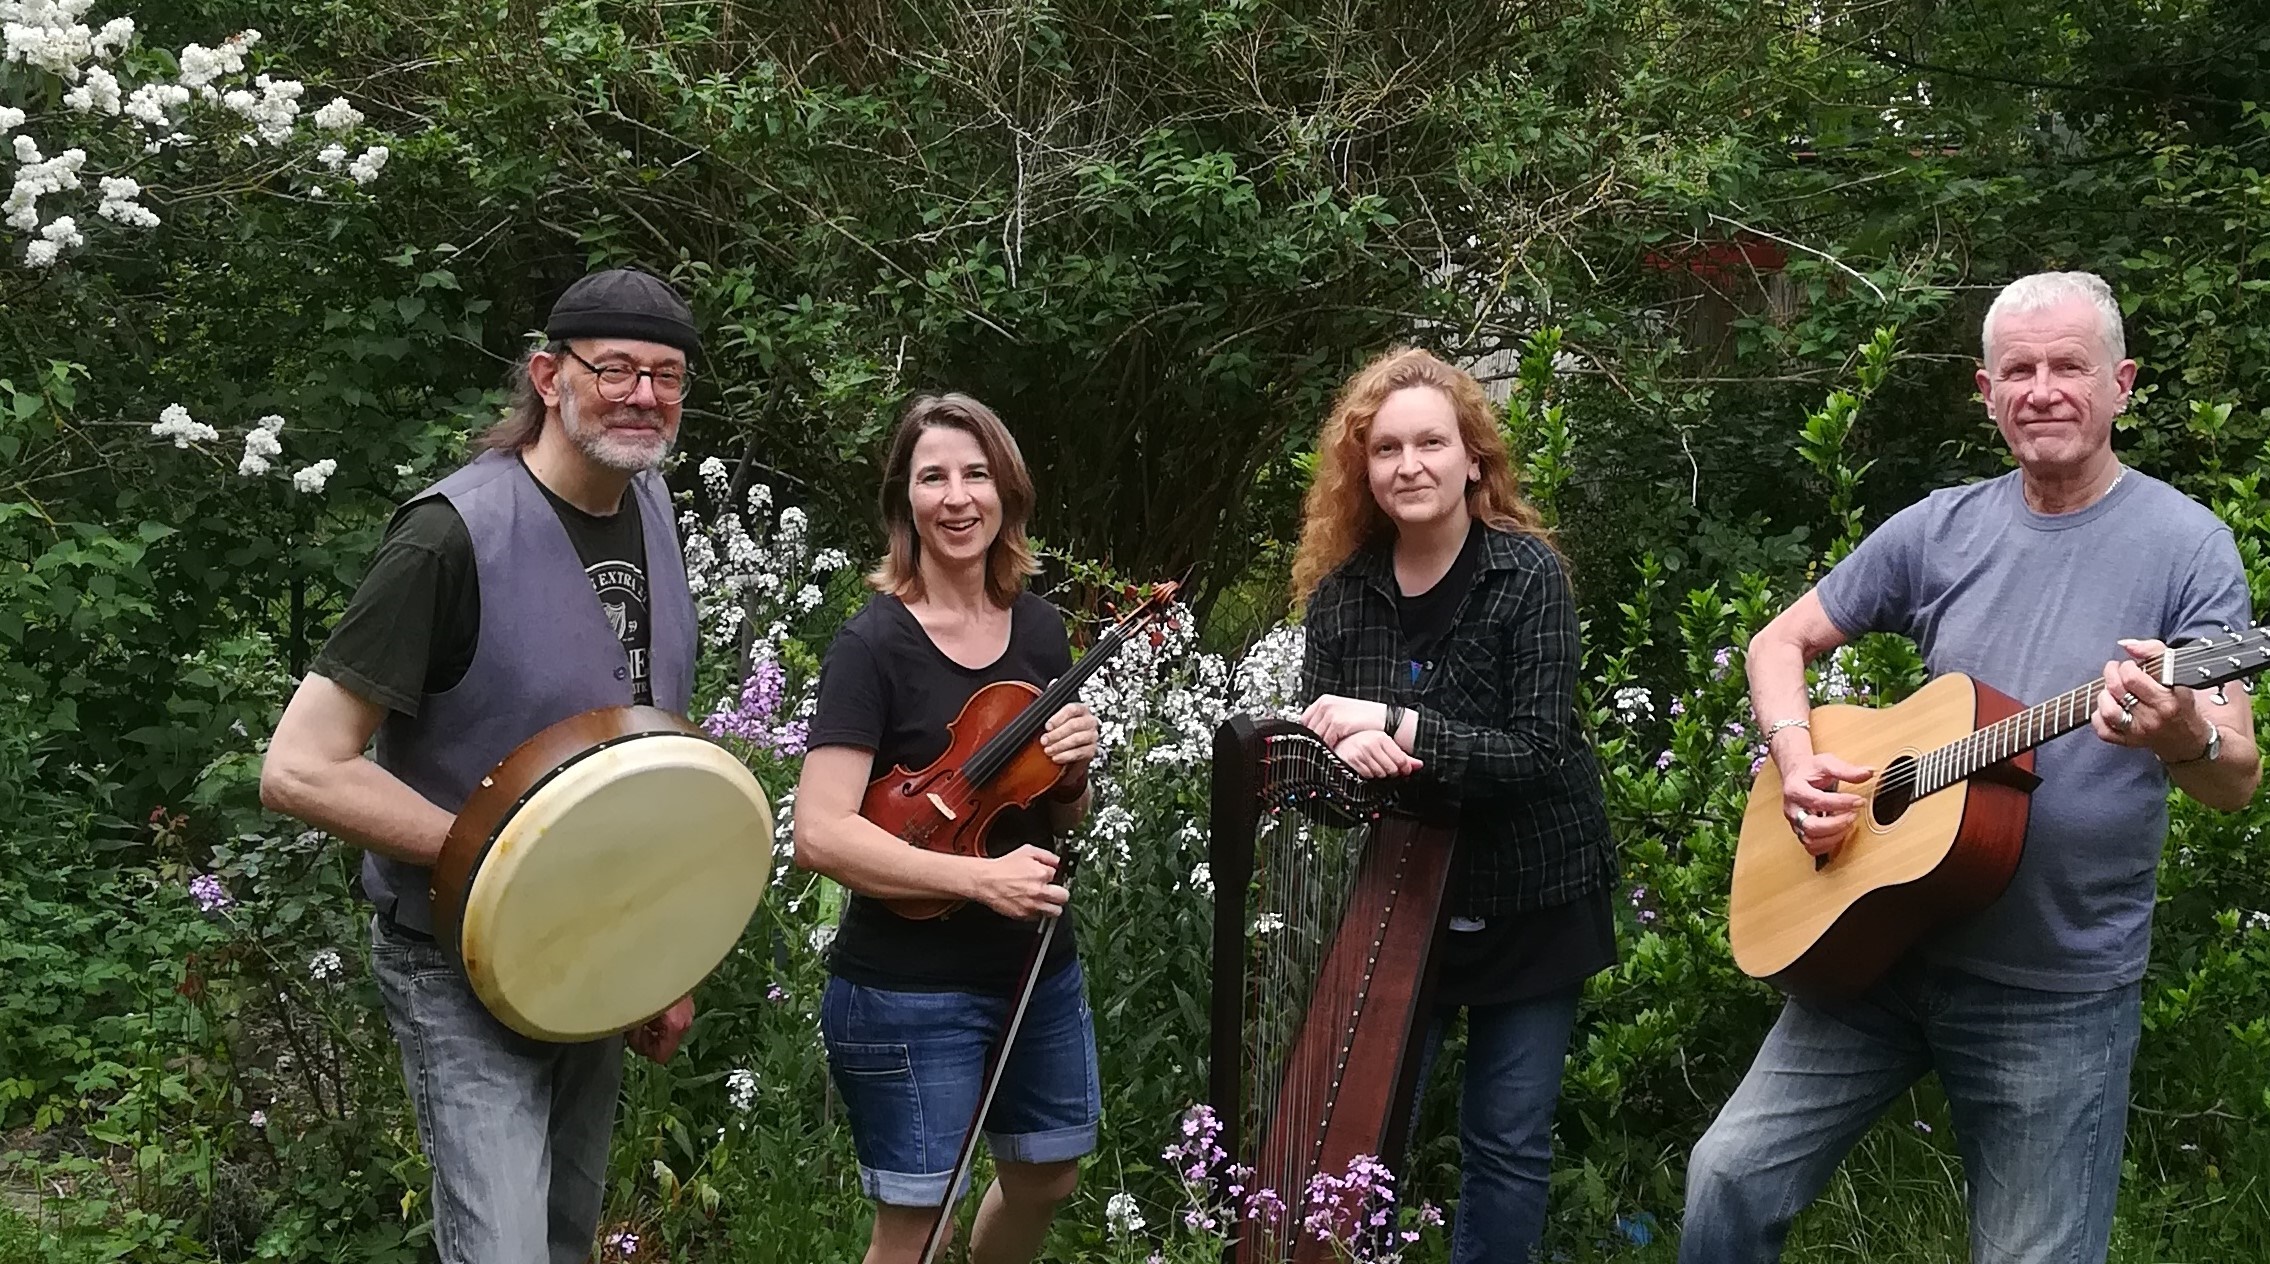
x: 993, y: 760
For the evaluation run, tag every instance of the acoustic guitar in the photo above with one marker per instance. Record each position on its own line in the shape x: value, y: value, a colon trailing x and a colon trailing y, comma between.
x: 1940, y: 830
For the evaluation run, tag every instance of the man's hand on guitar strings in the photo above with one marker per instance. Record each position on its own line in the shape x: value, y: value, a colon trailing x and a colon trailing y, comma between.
x: 2137, y: 711
x: 1373, y: 754
x: 1819, y: 813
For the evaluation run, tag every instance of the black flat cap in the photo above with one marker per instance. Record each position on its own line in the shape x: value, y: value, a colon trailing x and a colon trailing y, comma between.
x: 625, y: 303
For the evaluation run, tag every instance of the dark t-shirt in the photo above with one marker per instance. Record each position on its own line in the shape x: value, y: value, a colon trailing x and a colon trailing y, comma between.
x: 1489, y: 961
x: 886, y: 688
x: 414, y: 622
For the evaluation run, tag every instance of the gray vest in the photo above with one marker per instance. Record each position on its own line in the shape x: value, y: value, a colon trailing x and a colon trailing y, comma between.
x: 546, y: 651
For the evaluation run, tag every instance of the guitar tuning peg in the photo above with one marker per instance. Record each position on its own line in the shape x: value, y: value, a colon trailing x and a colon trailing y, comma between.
x: 2221, y: 696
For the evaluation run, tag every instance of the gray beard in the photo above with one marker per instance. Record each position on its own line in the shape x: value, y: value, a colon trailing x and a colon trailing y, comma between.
x: 595, y: 442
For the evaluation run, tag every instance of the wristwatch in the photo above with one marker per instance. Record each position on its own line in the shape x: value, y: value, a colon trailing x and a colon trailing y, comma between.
x: 2214, y: 745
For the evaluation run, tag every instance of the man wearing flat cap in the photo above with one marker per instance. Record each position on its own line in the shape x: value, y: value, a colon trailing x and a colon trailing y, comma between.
x: 541, y: 580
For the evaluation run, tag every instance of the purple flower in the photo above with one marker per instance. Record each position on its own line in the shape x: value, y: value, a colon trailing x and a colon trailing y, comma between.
x: 1922, y: 1127
x: 754, y: 717
x: 1663, y: 761
x: 774, y: 993
x: 1723, y: 659
x: 1678, y: 706
x: 210, y: 895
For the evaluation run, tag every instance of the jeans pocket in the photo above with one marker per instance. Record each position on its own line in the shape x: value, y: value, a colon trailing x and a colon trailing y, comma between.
x: 872, y: 1062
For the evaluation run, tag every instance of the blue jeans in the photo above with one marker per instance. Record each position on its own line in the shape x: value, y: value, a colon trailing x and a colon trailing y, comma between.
x: 910, y: 1067
x: 2036, y: 1084
x: 1514, y: 1056
x: 516, y: 1130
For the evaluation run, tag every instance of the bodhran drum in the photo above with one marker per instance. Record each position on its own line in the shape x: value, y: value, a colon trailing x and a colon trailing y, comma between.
x: 600, y: 871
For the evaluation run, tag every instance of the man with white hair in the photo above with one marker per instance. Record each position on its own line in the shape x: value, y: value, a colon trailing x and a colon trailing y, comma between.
x: 2030, y: 1010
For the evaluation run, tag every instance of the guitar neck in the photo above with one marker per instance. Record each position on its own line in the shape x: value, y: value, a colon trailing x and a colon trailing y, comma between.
x: 2015, y: 735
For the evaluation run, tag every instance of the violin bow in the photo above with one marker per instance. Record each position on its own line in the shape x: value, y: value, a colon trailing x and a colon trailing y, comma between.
x: 998, y: 1063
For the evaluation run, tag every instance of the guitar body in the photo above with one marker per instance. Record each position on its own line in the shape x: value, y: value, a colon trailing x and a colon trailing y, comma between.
x: 1831, y: 930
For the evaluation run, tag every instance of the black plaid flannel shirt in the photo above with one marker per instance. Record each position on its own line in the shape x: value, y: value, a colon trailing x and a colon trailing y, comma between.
x: 1497, y: 721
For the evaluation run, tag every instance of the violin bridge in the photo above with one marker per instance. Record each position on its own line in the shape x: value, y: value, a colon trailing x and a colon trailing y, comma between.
x: 940, y: 804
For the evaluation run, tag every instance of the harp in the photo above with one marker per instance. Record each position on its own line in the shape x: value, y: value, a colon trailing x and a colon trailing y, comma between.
x: 1327, y: 903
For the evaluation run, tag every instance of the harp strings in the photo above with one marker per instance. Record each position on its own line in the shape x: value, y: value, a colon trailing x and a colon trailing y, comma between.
x: 1314, y: 825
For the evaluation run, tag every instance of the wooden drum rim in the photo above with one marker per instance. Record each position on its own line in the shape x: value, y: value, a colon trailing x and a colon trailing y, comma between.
x: 516, y: 779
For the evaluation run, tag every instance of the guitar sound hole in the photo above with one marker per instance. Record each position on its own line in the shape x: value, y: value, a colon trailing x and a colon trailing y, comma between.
x: 1895, y: 790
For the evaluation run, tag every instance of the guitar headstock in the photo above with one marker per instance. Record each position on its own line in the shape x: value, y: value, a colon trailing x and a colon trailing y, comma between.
x: 2215, y: 660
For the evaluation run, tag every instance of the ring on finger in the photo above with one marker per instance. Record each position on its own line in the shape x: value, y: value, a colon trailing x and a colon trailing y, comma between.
x: 2127, y: 720
x: 2128, y: 702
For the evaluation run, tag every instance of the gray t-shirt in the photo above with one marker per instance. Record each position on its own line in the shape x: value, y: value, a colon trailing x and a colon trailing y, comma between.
x: 2034, y: 605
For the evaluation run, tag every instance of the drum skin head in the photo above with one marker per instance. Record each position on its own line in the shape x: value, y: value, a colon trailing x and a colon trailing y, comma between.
x: 616, y: 887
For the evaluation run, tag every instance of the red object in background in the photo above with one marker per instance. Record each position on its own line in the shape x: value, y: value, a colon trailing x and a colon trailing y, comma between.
x: 1719, y: 261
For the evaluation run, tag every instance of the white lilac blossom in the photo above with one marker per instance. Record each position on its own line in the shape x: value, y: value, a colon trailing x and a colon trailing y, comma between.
x: 118, y: 204
x: 47, y: 34
x: 260, y: 447
x: 274, y: 110
x: 11, y: 118
x: 338, y: 116
x: 312, y: 478
x: 333, y: 154
x: 200, y: 65
x: 152, y: 105
x: 174, y: 423
x: 741, y: 1088
x: 98, y: 91
x: 37, y: 177
x: 366, y: 166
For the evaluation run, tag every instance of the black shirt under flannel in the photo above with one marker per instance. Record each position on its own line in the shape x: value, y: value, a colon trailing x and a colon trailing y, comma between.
x: 1497, y: 719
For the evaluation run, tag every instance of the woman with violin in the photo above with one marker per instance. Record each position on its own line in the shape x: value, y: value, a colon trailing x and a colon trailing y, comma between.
x: 1442, y: 646
x: 917, y: 1001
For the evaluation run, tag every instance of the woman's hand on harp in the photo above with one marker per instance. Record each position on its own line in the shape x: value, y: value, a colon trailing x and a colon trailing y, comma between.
x: 1021, y: 885
x: 1334, y: 718
x: 1373, y: 754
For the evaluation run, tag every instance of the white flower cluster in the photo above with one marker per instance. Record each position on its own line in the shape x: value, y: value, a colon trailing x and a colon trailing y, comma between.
x: 325, y: 965
x: 1161, y: 701
x: 1635, y: 704
x: 36, y: 177
x: 312, y: 478
x: 273, y: 111
x: 61, y: 233
x: 175, y: 423
x: 1121, y: 1213
x: 152, y: 104
x: 261, y: 446
x: 338, y: 116
x: 49, y: 35
x: 741, y: 1088
x: 200, y: 65
x: 368, y: 164
x: 742, y: 580
x: 98, y: 91
x: 118, y: 194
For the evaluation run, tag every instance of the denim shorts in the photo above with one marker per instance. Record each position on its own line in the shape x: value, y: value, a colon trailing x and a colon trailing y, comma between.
x: 911, y: 1067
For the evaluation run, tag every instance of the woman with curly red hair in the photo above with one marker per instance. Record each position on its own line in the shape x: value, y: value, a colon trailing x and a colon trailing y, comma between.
x: 1442, y: 646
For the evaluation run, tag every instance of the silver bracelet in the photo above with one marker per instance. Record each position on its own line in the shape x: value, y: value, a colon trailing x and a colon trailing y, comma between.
x: 1778, y: 725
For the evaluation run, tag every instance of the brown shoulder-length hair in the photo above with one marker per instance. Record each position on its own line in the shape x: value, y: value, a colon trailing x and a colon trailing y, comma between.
x: 1339, y: 515
x: 1010, y: 558
x: 523, y: 420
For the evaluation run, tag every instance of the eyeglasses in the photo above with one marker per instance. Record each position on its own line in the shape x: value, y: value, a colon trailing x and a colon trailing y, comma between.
x: 618, y: 382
